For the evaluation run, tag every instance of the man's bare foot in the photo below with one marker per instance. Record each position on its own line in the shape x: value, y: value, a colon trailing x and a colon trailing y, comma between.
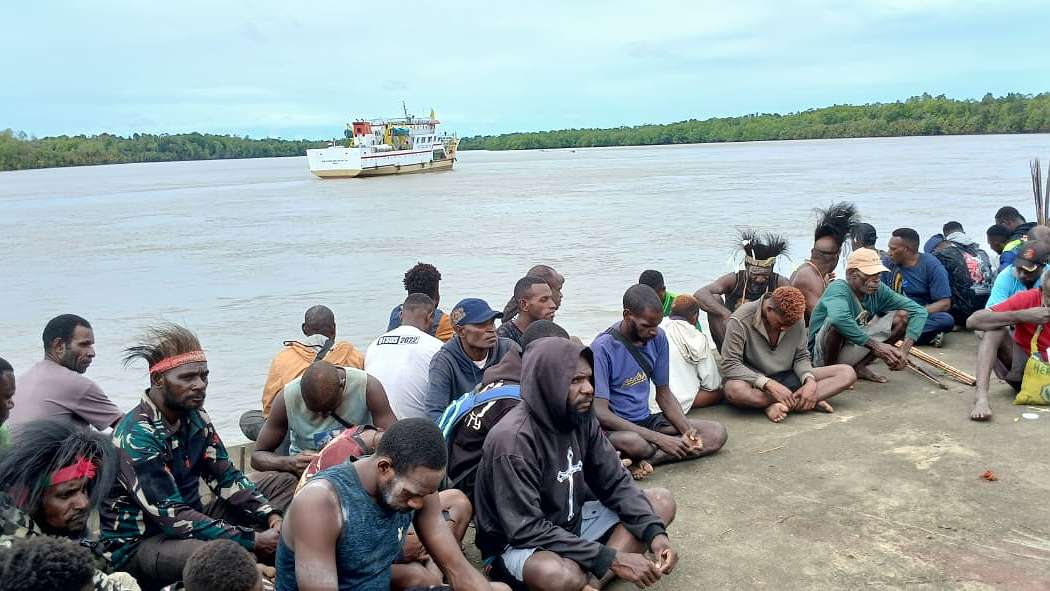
x: 642, y: 470
x: 865, y: 373
x: 823, y: 406
x: 777, y: 411
x: 981, y: 411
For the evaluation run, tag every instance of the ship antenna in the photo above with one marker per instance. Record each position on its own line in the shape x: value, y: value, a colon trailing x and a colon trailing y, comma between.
x: 405, y: 109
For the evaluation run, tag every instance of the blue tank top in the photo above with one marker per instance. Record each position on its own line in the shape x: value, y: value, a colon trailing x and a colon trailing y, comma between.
x: 370, y: 541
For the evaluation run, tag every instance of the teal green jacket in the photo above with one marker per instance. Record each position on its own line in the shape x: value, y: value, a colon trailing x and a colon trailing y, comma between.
x: 841, y: 308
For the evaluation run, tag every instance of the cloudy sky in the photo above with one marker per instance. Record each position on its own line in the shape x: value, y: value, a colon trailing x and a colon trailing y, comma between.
x: 301, y: 69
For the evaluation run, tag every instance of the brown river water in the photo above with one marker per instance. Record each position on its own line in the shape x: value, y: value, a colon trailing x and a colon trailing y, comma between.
x: 238, y: 249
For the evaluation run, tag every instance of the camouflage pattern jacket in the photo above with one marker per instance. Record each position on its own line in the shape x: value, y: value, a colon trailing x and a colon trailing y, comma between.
x: 15, y: 524
x: 158, y: 487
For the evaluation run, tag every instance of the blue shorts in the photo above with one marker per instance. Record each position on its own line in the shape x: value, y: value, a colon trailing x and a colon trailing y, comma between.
x: 597, y: 520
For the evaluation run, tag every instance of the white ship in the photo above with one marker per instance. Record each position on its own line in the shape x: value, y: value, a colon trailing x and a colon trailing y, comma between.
x: 386, y: 146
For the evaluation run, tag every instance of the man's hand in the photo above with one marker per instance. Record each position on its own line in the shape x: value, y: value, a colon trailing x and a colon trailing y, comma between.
x: 413, y: 549
x: 780, y: 393
x: 635, y: 568
x: 1040, y: 315
x: 666, y: 557
x: 692, y: 439
x: 807, y: 396
x: 893, y: 357
x: 275, y: 521
x: 297, y: 464
x: 674, y: 446
x: 266, y: 544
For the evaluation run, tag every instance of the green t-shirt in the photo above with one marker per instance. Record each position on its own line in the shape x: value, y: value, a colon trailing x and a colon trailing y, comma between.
x: 840, y: 307
x: 5, y: 437
x: 668, y: 300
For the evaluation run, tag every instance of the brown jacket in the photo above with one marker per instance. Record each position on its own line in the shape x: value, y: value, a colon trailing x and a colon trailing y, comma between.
x: 293, y: 360
x: 748, y: 356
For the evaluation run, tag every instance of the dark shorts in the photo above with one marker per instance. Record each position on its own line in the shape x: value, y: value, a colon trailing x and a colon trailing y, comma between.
x: 654, y: 422
x: 788, y: 379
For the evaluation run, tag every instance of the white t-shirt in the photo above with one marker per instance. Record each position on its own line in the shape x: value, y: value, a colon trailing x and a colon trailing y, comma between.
x: 687, y: 376
x: 400, y: 360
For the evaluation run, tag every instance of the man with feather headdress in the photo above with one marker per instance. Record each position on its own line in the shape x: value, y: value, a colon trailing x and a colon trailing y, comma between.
x: 813, y: 276
x: 722, y: 297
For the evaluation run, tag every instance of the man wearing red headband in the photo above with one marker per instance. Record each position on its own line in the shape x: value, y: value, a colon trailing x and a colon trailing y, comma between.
x: 155, y: 519
x: 51, y: 483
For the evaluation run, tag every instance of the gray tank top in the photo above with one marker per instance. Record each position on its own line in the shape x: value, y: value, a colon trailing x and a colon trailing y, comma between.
x: 309, y: 431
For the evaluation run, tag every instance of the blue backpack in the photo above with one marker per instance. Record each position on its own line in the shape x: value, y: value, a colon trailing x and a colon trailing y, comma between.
x: 463, y: 405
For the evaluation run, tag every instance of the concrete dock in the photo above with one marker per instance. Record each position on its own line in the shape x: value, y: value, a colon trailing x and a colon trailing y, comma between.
x: 885, y: 493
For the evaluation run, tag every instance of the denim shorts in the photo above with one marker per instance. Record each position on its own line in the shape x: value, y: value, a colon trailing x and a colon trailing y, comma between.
x: 596, y: 521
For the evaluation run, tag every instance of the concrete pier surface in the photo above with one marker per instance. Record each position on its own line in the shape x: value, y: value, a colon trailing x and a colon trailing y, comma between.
x: 884, y: 493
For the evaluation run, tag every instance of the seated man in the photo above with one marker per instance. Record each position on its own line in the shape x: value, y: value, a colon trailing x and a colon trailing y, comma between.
x: 766, y: 363
x: 413, y: 567
x: 721, y: 297
x: 314, y: 409
x: 655, y: 280
x: 997, y: 236
x: 835, y: 224
x: 292, y: 361
x: 1023, y: 274
x: 1024, y: 313
x: 860, y: 318
x: 7, y: 400
x: 627, y: 356
x: 535, y: 302
x: 863, y: 235
x: 469, y: 418
x: 547, y: 273
x: 47, y: 564
x: 55, y: 387
x: 693, y: 373
x: 425, y: 279
x: 154, y: 519
x: 460, y: 363
x: 221, y: 565
x: 1011, y: 219
x: 61, y: 502
x: 400, y: 358
x: 556, y: 509
x: 346, y: 526
x: 922, y: 278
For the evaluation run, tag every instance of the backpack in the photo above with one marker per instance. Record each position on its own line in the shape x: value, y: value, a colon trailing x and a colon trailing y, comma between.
x: 960, y: 279
x: 981, y: 270
x: 463, y: 405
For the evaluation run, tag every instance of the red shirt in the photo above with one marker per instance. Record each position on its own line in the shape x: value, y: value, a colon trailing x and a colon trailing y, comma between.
x: 1023, y: 332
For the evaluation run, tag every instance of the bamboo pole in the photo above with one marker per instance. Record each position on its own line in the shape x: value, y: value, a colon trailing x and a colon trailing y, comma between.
x: 953, y: 372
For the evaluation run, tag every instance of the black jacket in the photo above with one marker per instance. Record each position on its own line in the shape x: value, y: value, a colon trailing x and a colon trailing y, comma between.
x: 537, y: 461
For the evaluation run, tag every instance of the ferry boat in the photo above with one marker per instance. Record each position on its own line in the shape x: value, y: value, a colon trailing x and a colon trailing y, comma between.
x: 386, y: 146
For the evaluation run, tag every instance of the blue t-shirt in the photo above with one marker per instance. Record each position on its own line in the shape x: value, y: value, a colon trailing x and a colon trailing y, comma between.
x: 1007, y: 284
x: 619, y: 379
x: 924, y: 283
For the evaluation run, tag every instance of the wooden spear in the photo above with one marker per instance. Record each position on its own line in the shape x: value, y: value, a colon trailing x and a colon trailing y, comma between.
x: 953, y: 372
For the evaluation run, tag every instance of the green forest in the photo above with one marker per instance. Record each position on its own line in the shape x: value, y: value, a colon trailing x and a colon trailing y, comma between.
x: 17, y: 151
x: 919, y: 115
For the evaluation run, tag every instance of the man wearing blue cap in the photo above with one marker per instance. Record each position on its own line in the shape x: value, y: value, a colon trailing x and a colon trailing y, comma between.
x: 460, y: 363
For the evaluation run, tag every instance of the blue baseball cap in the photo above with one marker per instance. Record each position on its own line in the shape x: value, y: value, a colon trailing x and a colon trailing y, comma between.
x: 473, y: 311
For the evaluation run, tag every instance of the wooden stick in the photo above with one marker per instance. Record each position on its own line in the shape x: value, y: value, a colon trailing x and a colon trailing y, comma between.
x: 922, y: 372
x: 953, y: 372
x: 765, y: 451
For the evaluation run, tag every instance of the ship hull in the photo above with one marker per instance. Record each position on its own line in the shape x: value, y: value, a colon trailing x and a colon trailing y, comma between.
x: 341, y: 162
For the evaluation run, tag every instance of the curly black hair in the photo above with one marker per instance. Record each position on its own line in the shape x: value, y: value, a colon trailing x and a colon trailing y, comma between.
x: 221, y: 565
x: 423, y: 278
x: 45, y: 563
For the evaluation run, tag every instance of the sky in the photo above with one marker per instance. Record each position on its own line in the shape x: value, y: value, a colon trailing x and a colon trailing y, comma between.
x: 302, y: 69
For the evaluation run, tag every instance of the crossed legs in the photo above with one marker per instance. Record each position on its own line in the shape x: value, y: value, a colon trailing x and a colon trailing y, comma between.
x: 831, y: 380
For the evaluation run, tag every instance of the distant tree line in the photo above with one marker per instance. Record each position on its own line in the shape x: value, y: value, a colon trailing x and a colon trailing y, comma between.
x: 18, y: 151
x: 919, y: 115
